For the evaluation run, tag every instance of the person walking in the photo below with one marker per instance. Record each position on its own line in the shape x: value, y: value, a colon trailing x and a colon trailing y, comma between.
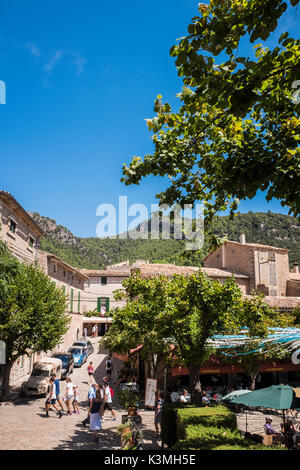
x: 91, y: 397
x: 108, y: 402
x: 57, y: 391
x: 69, y: 395
x: 95, y: 413
x: 85, y: 333
x: 75, y: 400
x: 90, y: 369
x: 157, y: 412
x: 51, y: 399
x: 108, y: 367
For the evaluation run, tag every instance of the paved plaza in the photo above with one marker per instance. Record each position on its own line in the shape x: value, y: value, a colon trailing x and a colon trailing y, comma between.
x: 25, y: 427
x: 254, y: 421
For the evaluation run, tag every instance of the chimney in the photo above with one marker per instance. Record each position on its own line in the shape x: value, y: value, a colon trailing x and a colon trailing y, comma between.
x: 242, y: 238
x: 296, y: 268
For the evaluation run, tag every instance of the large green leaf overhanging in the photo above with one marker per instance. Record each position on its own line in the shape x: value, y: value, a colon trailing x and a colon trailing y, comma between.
x: 237, y: 130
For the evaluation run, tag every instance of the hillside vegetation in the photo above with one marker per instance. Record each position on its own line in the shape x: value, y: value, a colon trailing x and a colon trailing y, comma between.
x: 96, y: 253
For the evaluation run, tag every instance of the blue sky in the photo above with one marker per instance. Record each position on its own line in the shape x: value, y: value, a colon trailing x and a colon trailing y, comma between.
x: 81, y: 79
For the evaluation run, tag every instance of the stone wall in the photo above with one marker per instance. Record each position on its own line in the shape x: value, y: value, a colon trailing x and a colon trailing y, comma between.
x: 19, y: 241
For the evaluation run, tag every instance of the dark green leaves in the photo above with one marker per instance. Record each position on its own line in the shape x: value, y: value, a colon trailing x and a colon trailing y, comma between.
x: 238, y: 125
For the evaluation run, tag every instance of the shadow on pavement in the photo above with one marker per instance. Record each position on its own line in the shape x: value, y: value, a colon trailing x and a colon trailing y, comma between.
x: 83, y: 440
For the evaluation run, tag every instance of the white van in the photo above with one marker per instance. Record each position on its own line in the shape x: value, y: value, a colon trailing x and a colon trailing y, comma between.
x: 38, y: 382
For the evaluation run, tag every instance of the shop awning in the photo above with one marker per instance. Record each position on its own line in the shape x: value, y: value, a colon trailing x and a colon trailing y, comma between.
x: 97, y: 320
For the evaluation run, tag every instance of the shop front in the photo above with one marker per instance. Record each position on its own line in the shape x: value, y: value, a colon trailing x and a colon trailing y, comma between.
x: 102, y: 324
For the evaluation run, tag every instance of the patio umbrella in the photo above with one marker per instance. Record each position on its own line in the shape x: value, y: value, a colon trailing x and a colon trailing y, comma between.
x: 277, y: 397
x: 234, y: 394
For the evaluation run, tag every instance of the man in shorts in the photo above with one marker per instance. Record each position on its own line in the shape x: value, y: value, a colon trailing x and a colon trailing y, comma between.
x: 108, y: 402
x: 51, y: 399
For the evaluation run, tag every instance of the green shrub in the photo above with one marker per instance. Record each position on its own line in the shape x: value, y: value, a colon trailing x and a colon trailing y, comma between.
x: 186, y: 427
x: 168, y: 424
x: 218, y: 416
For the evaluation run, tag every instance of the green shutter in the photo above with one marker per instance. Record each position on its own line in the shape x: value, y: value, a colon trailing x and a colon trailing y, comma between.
x: 64, y: 289
x: 72, y: 295
x: 107, y: 304
x: 79, y: 302
x: 99, y: 304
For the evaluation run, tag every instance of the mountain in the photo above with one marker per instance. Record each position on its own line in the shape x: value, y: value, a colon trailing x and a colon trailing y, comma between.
x: 96, y: 253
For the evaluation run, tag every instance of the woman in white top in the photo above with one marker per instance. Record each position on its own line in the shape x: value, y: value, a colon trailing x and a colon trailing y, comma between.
x: 69, y: 395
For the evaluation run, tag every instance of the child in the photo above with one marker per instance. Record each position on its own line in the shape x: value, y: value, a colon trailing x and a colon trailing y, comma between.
x: 76, y: 399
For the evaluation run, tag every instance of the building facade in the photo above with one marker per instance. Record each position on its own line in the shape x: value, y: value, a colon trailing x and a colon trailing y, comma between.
x: 18, y: 229
x: 21, y: 235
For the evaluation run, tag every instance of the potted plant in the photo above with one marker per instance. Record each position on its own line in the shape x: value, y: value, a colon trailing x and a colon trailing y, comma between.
x: 129, y: 400
x: 126, y: 436
x: 131, y: 436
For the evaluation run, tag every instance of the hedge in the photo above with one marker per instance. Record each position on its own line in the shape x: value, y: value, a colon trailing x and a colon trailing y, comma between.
x: 202, y: 428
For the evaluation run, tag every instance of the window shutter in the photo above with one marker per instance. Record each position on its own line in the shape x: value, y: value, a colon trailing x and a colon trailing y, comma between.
x: 72, y: 295
x: 107, y: 304
x: 79, y: 302
x: 99, y: 304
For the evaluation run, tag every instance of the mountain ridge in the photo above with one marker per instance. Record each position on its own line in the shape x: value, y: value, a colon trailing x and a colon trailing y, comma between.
x: 96, y: 253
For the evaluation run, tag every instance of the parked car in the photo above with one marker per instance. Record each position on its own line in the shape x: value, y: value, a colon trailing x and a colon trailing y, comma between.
x: 38, y: 382
x: 86, y: 344
x: 67, y: 360
x: 79, y: 354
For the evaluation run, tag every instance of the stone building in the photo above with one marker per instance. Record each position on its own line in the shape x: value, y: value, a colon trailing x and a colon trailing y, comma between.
x: 72, y: 281
x: 100, y: 288
x: 267, y: 269
x: 21, y: 234
x: 147, y: 269
x: 18, y: 229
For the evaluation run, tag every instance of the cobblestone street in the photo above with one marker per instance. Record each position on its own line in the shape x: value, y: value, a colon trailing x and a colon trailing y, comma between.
x: 25, y: 427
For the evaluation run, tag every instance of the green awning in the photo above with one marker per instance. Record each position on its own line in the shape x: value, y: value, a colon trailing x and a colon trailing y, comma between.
x: 277, y: 397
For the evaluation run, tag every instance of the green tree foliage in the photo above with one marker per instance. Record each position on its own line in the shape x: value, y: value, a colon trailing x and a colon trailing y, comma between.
x: 257, y: 317
x: 182, y: 311
x: 237, y: 130
x: 32, y: 312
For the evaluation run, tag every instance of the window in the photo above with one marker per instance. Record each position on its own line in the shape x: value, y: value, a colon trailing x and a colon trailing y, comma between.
x: 12, y: 226
x: 71, y: 303
x: 79, y: 302
x: 272, y: 268
x: 64, y: 273
x: 31, y: 242
x: 103, y: 305
x: 103, y: 281
x: 55, y: 268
